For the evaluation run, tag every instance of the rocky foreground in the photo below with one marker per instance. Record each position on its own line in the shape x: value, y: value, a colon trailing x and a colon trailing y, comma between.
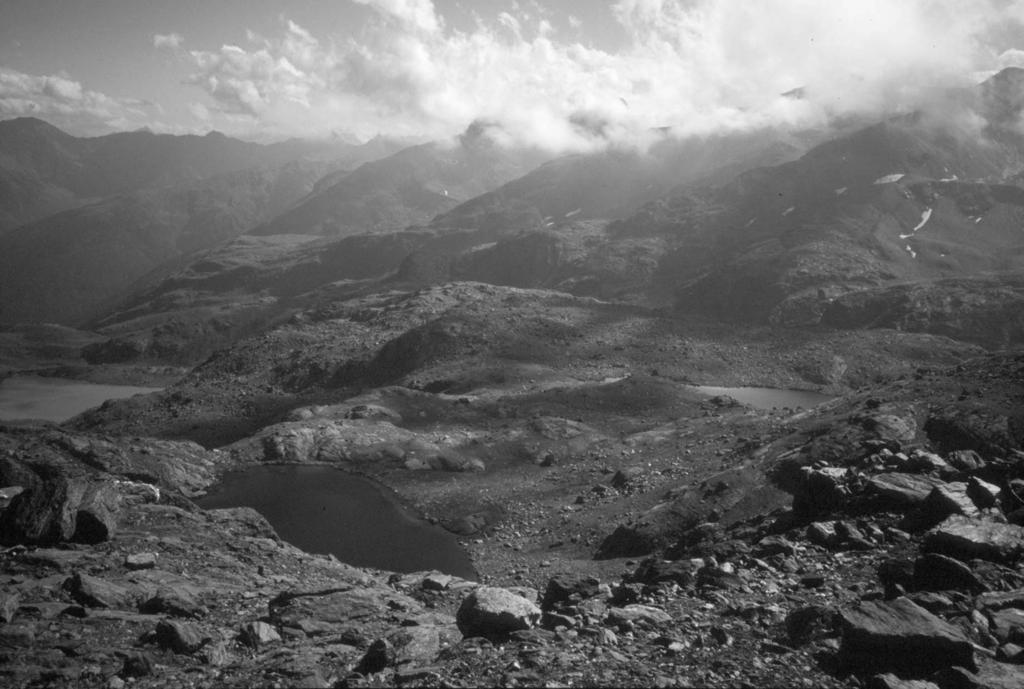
x: 893, y: 559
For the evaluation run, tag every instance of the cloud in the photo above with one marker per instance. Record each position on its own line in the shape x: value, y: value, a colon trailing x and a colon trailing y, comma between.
x: 416, y: 14
x: 68, y: 105
x: 172, y: 41
x: 697, y: 66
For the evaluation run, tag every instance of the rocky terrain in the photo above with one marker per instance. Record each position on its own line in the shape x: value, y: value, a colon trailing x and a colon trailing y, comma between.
x: 529, y: 369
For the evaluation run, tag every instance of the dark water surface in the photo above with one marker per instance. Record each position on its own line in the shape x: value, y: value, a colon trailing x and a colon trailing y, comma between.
x: 323, y: 510
x: 56, y: 399
x: 768, y: 398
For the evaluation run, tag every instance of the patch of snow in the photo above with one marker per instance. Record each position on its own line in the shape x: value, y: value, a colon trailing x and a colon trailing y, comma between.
x: 840, y: 191
x: 750, y: 222
x: 913, y: 254
x: 977, y: 220
x: 925, y: 217
x: 954, y: 178
x: 575, y: 212
x: 788, y: 211
x: 446, y: 192
x: 890, y: 179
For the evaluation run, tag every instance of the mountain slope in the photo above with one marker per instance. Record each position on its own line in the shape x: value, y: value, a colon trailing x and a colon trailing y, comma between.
x: 63, y: 268
x: 407, y: 188
x: 44, y: 170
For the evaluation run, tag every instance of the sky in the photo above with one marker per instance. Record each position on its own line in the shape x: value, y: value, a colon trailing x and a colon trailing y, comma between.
x: 558, y: 74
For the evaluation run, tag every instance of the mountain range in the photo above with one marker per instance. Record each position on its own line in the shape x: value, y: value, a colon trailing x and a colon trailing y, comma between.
x: 742, y: 409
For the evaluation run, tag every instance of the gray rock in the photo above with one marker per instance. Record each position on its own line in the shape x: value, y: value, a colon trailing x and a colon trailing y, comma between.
x: 436, y: 582
x: 891, y: 681
x: 983, y: 494
x: 823, y: 534
x: 181, y: 637
x: 257, y: 634
x: 60, y: 509
x: 97, y: 513
x: 638, y: 613
x: 9, y: 603
x: 495, y: 612
x: 94, y: 592
x: 925, y: 462
x: 902, y: 491
x: 902, y: 637
x: 934, y: 572
x: 965, y: 460
x: 1000, y: 600
x: 808, y: 623
x: 379, y: 656
x: 1007, y: 625
x: 45, y: 514
x: 415, y: 645
x: 965, y: 539
x: 174, y: 602
x: 821, y: 490
x: 135, y: 561
x: 334, y: 611
x: 947, y: 500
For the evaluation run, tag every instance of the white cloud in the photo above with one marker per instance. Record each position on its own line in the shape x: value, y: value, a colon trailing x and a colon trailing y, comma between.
x: 66, y: 104
x: 170, y: 40
x: 697, y: 66
x: 418, y: 14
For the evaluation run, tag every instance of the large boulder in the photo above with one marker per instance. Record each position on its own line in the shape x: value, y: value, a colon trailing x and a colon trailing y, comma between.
x: 58, y: 509
x: 903, y: 637
x: 97, y: 512
x: 494, y: 613
x: 902, y: 491
x: 966, y: 539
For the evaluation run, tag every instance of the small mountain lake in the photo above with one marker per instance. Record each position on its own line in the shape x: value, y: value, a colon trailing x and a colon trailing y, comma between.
x: 56, y: 399
x: 768, y: 398
x: 323, y: 510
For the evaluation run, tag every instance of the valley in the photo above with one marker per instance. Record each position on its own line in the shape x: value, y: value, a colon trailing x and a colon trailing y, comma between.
x: 545, y: 361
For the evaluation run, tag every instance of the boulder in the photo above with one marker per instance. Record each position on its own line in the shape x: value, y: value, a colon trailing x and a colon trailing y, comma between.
x: 378, y: 657
x: 136, y: 561
x: 983, y: 493
x: 655, y: 570
x: 562, y: 590
x: 821, y: 490
x: 965, y: 539
x: 415, y: 645
x: 1002, y: 599
x: 94, y: 592
x: 494, y: 612
x: 823, y: 534
x: 337, y: 609
x: 806, y: 624
x: 902, y: 491
x: 177, y: 602
x: 9, y: 603
x: 1007, y: 625
x: 966, y: 461
x: 44, y: 514
x: 902, y: 637
x: 934, y: 572
x: 625, y: 478
x: 181, y: 637
x: 58, y: 509
x: 97, y: 512
x: 257, y: 634
x: 638, y: 613
x: 925, y: 462
x: 946, y: 500
x: 890, y: 681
